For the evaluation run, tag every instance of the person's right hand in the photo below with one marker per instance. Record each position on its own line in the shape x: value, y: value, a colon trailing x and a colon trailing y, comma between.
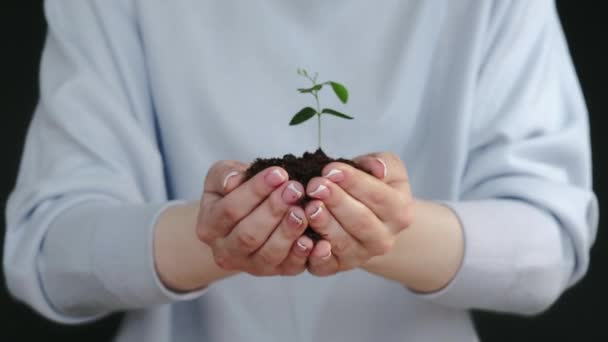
x: 253, y: 226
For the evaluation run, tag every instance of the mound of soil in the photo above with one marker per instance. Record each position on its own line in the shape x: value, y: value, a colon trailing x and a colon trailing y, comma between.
x: 301, y: 169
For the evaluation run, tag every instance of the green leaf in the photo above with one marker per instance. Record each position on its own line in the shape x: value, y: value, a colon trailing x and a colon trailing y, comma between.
x: 340, y: 90
x: 311, y: 89
x: 302, y: 115
x: 336, y: 113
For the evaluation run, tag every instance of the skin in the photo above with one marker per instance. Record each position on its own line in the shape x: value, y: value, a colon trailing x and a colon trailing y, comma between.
x: 367, y: 221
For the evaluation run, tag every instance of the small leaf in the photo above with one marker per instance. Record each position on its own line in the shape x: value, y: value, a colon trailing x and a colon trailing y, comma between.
x: 302, y: 115
x: 336, y: 113
x: 311, y: 89
x: 299, y: 71
x: 340, y: 90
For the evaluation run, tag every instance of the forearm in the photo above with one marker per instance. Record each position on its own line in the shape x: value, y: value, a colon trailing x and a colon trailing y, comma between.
x: 427, y: 255
x: 182, y: 261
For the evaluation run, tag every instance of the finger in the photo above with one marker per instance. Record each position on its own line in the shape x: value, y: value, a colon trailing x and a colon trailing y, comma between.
x: 295, y: 262
x: 380, y: 197
x: 223, y: 214
x: 224, y: 176
x: 251, y: 232
x: 343, y: 245
x: 352, y: 215
x: 321, y: 262
x: 385, y: 166
x: 276, y: 248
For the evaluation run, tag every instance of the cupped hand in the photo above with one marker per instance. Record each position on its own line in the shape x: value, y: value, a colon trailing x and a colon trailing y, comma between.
x: 358, y: 214
x: 253, y: 226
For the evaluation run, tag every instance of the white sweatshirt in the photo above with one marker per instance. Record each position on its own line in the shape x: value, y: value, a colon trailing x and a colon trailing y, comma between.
x: 139, y: 98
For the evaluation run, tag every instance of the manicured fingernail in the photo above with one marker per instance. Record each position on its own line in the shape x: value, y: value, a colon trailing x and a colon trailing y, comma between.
x: 295, y: 218
x: 291, y: 193
x: 316, y: 212
x: 228, y: 176
x: 275, y: 177
x: 325, y: 257
x: 320, y: 192
x: 384, y: 167
x: 301, y: 246
x: 335, y: 175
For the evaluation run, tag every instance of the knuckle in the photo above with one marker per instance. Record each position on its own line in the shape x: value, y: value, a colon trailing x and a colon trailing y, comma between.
x: 341, y: 246
x: 248, y: 241
x: 269, y: 256
x: 224, y: 262
x: 377, y: 198
x: 228, y: 214
x: 205, y: 235
x: 363, y: 228
x: 382, y: 247
x: 403, y: 219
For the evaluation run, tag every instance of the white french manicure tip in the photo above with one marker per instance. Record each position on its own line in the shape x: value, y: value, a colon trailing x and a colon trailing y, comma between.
x: 332, y: 172
x: 295, y: 190
x: 316, y: 212
x: 295, y: 217
x: 317, y: 190
x: 277, y: 172
x: 301, y: 245
x: 385, y: 167
x: 228, y: 176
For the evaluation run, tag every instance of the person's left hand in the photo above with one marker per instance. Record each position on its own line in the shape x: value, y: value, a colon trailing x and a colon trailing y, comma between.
x: 357, y: 214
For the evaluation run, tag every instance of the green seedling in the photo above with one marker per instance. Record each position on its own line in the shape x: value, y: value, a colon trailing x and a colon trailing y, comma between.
x: 308, y: 112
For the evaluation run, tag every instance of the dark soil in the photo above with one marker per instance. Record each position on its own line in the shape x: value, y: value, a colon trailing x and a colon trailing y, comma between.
x: 301, y: 169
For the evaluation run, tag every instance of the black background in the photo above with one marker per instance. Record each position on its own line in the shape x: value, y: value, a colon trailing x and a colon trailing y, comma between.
x: 578, y: 315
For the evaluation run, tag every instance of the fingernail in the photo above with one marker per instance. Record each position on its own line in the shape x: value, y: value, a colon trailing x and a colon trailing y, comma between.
x: 295, y: 218
x: 325, y: 257
x: 228, y: 176
x: 275, y: 177
x: 384, y: 167
x: 301, y: 246
x: 315, y: 211
x: 291, y: 193
x: 320, y: 192
x: 335, y: 175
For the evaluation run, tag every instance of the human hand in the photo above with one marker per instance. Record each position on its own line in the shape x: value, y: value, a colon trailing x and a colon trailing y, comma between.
x: 359, y: 215
x: 253, y: 226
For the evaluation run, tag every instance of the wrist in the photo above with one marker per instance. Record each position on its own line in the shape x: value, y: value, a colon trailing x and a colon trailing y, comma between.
x: 183, y: 263
x: 427, y: 255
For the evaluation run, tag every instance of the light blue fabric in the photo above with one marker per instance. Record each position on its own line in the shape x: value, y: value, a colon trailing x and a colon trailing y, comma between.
x: 139, y: 98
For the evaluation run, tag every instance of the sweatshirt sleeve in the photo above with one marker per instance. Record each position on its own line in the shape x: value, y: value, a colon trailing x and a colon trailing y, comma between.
x: 91, y: 181
x: 527, y: 210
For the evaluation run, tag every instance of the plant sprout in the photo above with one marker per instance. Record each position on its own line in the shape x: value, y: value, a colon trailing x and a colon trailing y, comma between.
x: 308, y: 112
